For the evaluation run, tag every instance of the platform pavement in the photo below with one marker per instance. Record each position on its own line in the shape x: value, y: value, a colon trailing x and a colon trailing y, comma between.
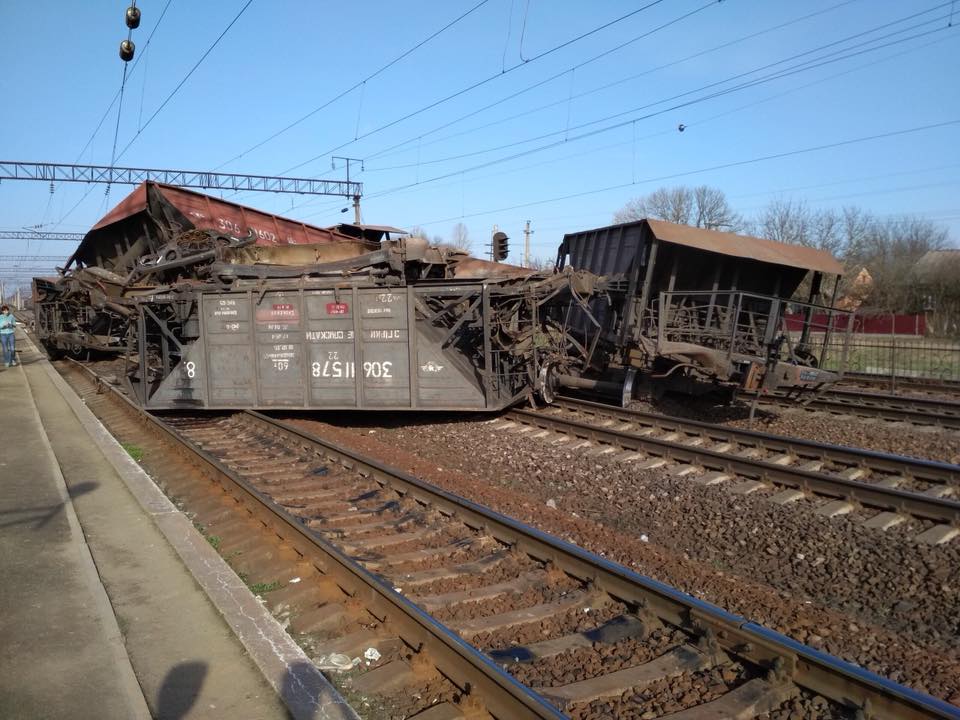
x: 100, y: 616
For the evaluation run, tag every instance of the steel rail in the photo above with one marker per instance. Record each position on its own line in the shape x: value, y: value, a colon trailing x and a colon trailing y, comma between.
x: 935, y: 405
x: 891, y: 499
x: 822, y: 673
x: 916, y: 468
x: 896, y: 408
x: 916, y: 383
x: 786, y: 659
x: 465, y: 666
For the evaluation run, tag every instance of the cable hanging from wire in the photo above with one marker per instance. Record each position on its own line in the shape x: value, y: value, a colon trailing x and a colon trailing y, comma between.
x: 106, y: 112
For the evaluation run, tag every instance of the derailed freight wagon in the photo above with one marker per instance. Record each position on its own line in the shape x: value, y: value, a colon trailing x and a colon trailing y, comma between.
x: 697, y: 310
x: 157, y: 236
x: 217, y: 306
x: 350, y: 342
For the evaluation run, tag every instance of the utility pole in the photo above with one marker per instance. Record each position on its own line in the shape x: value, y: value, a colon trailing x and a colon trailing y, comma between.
x: 527, y: 232
x: 356, y: 197
x: 3, y: 294
x: 19, y: 303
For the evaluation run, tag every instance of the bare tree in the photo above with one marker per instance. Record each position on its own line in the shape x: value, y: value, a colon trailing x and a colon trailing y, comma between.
x: 794, y: 222
x: 702, y: 206
x: 541, y: 264
x: 712, y: 210
x: 460, y: 237
x: 418, y: 232
x: 890, y: 249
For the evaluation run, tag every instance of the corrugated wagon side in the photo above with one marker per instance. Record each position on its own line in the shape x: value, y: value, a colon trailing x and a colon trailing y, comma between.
x: 460, y: 345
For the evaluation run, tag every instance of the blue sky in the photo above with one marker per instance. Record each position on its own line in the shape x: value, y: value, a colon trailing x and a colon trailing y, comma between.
x: 564, y: 154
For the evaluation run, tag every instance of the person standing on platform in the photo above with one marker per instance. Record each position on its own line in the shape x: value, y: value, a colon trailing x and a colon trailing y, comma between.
x: 7, y: 323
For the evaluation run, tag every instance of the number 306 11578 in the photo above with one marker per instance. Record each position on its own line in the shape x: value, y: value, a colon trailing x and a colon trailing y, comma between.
x: 337, y: 369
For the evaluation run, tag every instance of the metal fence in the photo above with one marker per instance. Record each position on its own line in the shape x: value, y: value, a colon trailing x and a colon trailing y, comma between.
x: 896, y: 355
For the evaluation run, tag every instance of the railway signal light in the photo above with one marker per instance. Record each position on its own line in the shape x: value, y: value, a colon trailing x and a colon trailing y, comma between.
x: 500, y: 247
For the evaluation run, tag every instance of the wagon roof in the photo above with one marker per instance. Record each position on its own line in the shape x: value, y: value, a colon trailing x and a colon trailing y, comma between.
x: 744, y: 246
x: 205, y: 212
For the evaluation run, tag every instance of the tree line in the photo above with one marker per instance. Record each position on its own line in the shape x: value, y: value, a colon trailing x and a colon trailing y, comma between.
x: 890, y: 248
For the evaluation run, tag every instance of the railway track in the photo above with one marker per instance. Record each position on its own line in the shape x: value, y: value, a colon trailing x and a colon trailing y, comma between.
x: 841, y: 480
x: 473, y: 612
x: 930, y: 411
x: 941, y: 387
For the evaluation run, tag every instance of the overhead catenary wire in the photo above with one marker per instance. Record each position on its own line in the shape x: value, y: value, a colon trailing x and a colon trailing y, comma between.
x: 724, y: 113
x: 106, y: 112
x: 591, y: 133
x: 513, y: 95
x: 164, y: 103
x: 701, y: 88
x: 133, y: 68
x: 186, y: 77
x: 116, y: 131
x: 711, y: 168
x: 605, y: 53
x: 477, y: 84
x: 356, y: 85
x: 457, y: 177
x: 582, y: 64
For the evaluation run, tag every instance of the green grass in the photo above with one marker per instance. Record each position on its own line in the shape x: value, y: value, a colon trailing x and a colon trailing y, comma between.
x: 261, y: 588
x: 905, y: 355
x: 214, y: 541
x: 133, y: 451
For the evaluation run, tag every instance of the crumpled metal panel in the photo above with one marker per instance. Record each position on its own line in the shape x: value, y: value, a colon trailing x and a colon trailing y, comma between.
x: 210, y: 213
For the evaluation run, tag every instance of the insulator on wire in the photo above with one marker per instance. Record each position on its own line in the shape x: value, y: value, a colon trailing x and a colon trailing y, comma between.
x: 126, y: 50
x: 133, y: 17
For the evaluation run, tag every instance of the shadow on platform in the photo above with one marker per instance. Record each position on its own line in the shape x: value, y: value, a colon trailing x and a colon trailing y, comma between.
x: 40, y: 515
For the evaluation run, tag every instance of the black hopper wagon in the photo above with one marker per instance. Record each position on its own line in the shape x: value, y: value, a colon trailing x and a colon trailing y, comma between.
x: 697, y: 310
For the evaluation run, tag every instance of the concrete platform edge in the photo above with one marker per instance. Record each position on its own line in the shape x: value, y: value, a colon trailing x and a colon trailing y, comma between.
x: 302, y: 687
x: 138, y: 703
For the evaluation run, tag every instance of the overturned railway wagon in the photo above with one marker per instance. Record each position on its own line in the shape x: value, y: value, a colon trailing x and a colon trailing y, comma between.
x: 694, y: 310
x: 217, y: 306
x: 346, y: 344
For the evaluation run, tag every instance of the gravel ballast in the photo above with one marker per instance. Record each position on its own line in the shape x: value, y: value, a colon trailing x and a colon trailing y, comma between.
x: 873, y: 598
